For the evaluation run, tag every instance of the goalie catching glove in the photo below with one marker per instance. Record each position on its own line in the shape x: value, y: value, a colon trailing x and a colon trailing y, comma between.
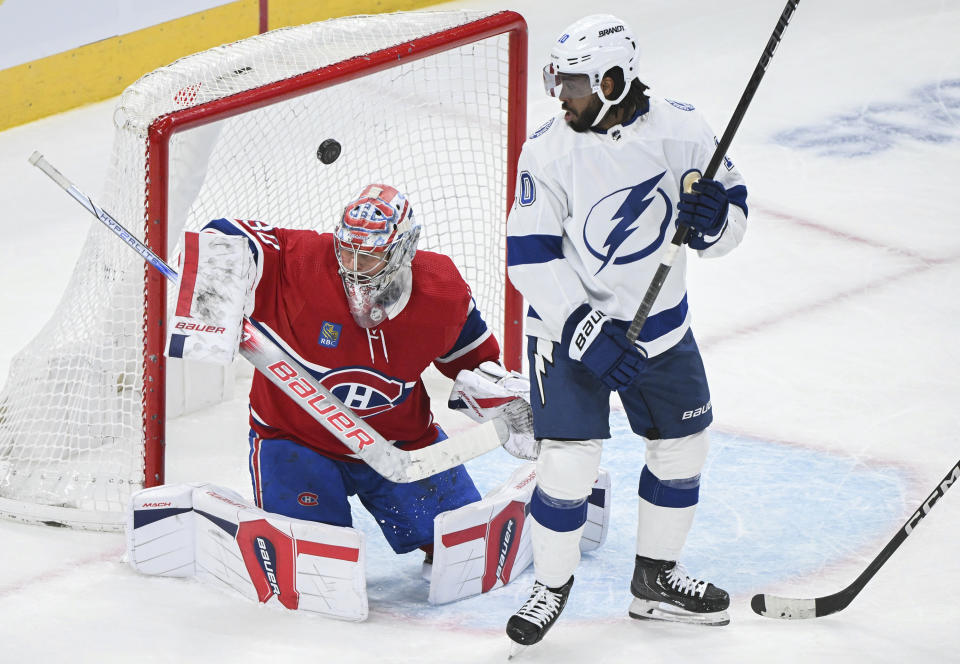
x: 490, y: 392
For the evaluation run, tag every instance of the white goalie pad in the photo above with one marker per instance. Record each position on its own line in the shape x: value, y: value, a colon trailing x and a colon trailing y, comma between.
x: 491, y: 393
x: 485, y: 545
x: 213, y: 293
x: 160, y: 531
x: 598, y: 514
x: 213, y: 533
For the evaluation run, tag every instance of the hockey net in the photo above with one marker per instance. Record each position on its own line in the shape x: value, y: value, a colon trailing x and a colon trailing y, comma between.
x: 430, y: 102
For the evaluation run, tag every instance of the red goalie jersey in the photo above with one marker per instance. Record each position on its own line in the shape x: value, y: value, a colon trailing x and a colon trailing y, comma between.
x: 300, y: 303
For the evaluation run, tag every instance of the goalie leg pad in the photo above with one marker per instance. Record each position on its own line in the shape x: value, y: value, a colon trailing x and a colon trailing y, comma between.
x: 266, y: 557
x: 598, y: 514
x: 275, y: 559
x: 160, y: 531
x: 485, y: 545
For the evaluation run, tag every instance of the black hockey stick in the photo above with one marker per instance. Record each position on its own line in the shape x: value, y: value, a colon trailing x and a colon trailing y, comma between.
x: 680, y: 236
x: 771, y: 606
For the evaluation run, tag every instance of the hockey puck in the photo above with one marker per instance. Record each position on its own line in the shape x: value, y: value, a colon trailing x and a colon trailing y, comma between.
x: 328, y: 151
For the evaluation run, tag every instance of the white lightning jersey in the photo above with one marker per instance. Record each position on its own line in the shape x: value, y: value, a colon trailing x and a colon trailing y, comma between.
x: 595, y: 210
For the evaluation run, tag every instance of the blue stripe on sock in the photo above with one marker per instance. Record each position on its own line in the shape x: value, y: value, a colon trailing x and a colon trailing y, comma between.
x: 669, y: 493
x: 558, y: 515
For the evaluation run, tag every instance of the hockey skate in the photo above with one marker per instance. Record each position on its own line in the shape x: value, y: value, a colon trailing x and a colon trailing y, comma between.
x: 664, y: 591
x: 529, y: 625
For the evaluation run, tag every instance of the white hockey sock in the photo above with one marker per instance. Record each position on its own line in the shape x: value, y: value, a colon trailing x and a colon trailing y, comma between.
x: 555, y: 554
x: 662, y: 531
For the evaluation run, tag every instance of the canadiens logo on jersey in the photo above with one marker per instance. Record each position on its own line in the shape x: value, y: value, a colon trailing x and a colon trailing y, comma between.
x: 329, y: 334
x: 365, y: 391
x: 308, y: 499
x: 629, y: 224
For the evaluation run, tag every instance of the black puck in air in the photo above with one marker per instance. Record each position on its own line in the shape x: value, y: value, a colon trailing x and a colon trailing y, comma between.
x: 328, y: 151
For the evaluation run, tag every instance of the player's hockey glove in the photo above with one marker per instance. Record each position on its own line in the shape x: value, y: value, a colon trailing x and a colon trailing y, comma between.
x: 591, y: 337
x: 704, y: 211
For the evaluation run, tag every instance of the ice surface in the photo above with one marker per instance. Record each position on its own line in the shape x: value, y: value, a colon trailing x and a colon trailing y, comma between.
x: 829, y: 338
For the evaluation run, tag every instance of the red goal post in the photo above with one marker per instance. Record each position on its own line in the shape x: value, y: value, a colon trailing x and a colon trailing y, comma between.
x: 433, y: 102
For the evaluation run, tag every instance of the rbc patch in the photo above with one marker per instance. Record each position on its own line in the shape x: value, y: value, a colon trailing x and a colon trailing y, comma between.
x: 329, y: 334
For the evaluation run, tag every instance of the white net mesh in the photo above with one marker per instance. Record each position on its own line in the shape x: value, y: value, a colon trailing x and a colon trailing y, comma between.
x: 71, y: 413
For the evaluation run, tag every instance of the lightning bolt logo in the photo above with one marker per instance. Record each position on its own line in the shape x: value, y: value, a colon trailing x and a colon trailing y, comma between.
x: 626, y: 221
x: 542, y: 357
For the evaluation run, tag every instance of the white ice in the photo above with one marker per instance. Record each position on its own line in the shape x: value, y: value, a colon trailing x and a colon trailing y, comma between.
x: 828, y: 336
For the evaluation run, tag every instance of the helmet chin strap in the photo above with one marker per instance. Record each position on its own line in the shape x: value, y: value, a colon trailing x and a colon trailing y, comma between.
x: 607, y: 104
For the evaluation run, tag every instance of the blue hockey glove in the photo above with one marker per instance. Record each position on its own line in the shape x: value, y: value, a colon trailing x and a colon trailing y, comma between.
x: 705, y: 212
x: 591, y: 338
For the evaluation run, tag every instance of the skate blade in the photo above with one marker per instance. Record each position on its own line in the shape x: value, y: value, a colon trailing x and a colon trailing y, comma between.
x: 515, y: 650
x: 642, y: 609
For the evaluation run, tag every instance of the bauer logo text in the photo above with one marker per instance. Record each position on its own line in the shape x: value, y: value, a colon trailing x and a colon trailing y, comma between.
x: 697, y: 412
x: 199, y: 327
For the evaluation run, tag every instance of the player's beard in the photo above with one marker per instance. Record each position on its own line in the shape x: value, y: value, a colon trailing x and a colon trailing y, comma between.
x: 370, y: 305
x: 583, y: 121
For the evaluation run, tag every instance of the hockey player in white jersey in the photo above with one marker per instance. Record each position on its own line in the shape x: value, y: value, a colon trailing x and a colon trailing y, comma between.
x: 598, y: 197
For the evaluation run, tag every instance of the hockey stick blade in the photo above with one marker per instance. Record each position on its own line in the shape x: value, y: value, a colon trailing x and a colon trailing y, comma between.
x: 680, y: 235
x: 787, y: 608
x: 294, y: 380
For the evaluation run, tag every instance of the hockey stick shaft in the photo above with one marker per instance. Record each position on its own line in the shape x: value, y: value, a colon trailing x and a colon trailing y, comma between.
x: 294, y: 380
x: 772, y: 606
x: 680, y: 236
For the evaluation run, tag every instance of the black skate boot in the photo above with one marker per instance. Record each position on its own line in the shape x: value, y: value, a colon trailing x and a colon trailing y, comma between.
x: 664, y: 591
x: 528, y: 625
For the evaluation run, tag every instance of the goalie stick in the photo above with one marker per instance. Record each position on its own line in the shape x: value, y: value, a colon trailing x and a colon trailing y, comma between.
x: 680, y: 236
x: 772, y: 606
x: 298, y: 384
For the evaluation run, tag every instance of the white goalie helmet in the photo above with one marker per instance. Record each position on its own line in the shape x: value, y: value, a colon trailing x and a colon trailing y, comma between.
x: 375, y: 242
x: 585, y: 51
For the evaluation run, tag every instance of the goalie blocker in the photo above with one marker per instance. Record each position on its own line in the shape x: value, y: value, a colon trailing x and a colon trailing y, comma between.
x: 213, y: 533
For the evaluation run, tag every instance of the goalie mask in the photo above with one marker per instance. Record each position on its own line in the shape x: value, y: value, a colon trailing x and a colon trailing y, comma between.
x: 375, y: 242
x: 586, y: 51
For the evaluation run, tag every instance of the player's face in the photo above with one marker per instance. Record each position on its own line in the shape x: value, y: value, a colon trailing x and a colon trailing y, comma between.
x: 360, y: 262
x: 580, y: 111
